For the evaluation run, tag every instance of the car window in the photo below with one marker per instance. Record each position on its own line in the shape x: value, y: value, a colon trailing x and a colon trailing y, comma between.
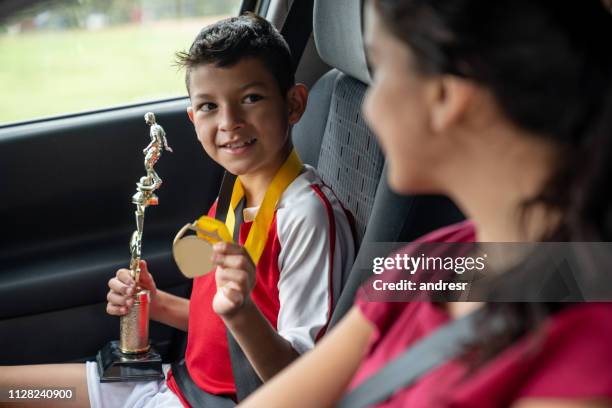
x: 75, y: 56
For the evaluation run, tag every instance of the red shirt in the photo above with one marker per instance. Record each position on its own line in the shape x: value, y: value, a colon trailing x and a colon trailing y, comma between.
x: 572, y: 357
x: 308, y: 250
x: 207, y: 354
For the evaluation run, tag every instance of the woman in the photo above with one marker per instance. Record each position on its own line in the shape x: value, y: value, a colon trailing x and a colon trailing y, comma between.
x: 506, y: 107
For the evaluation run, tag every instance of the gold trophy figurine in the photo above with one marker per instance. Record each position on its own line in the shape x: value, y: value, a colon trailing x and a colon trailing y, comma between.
x: 132, y: 358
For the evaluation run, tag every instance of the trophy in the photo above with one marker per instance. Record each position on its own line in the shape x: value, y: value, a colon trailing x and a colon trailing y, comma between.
x: 132, y: 358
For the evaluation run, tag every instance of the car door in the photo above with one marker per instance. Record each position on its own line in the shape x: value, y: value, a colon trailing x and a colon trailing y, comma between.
x: 66, y: 181
x: 71, y: 151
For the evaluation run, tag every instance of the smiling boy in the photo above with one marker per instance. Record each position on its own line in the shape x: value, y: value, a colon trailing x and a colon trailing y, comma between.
x: 244, y: 100
x: 277, y: 303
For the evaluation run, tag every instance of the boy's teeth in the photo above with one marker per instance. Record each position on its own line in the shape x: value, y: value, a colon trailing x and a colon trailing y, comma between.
x: 237, y: 145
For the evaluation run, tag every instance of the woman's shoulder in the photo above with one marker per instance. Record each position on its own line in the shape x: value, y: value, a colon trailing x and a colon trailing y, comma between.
x: 570, y: 357
x: 575, y: 359
x: 583, y: 327
x: 596, y: 314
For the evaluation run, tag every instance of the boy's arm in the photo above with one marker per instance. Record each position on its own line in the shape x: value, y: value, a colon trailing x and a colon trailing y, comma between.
x: 316, y: 245
x: 165, y: 308
x: 171, y: 310
x: 267, y: 351
x: 319, y: 378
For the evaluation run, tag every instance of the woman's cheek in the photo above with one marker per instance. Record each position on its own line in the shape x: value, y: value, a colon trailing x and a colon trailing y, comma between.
x: 379, y: 114
x: 371, y: 107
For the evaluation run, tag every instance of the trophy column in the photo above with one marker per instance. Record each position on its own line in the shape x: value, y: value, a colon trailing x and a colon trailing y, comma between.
x: 132, y: 358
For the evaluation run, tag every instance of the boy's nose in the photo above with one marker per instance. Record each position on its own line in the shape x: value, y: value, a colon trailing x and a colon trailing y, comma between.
x: 231, y: 119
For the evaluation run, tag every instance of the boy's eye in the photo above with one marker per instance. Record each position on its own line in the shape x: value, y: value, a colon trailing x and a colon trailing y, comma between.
x: 208, y: 106
x: 252, y: 98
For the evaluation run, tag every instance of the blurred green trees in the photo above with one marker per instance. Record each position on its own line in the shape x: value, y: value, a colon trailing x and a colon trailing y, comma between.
x: 67, y: 14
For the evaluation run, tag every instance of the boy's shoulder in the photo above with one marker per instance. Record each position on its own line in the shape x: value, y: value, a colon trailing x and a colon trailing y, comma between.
x: 302, y: 192
x: 308, y: 199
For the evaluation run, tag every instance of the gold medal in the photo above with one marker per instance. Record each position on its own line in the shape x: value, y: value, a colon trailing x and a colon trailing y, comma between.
x: 193, y: 253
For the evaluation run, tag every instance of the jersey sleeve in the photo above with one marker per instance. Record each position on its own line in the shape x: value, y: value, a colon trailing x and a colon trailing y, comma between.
x: 310, y: 264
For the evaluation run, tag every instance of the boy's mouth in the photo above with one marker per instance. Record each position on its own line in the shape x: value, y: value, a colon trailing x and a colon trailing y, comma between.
x: 239, y: 144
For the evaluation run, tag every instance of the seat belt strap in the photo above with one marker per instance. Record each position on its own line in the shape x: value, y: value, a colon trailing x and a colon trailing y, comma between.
x: 424, y: 356
x: 224, y: 197
x: 297, y: 28
x: 245, y: 377
x: 195, y: 396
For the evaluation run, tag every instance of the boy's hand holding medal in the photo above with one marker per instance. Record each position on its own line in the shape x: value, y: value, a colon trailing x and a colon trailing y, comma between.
x: 235, y: 278
x: 193, y: 253
x: 212, y: 246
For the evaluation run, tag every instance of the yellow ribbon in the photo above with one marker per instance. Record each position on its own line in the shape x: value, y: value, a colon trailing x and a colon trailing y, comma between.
x: 258, y: 235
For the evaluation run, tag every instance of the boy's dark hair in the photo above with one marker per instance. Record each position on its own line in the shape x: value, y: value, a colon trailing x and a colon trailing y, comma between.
x: 228, y: 41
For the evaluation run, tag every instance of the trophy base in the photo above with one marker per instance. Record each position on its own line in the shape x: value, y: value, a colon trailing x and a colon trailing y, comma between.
x: 115, y: 366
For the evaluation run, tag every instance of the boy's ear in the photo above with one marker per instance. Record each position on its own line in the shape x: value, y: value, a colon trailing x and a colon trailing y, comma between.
x: 297, y: 97
x: 190, y: 113
x: 450, y: 98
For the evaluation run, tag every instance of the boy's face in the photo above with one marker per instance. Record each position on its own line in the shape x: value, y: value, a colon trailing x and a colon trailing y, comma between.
x: 240, y: 117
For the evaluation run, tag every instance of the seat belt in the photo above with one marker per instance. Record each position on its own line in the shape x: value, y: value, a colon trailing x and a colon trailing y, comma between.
x: 195, y: 396
x: 297, y: 28
x: 424, y: 356
x: 245, y: 377
x: 225, y: 195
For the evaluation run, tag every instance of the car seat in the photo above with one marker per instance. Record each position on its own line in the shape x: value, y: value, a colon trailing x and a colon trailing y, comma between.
x: 333, y: 136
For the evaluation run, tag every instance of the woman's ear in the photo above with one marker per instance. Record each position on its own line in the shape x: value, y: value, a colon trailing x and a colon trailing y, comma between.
x: 450, y: 98
x: 297, y: 98
x: 190, y: 113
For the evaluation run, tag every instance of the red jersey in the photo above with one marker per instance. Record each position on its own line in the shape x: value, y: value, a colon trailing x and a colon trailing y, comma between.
x: 309, y: 249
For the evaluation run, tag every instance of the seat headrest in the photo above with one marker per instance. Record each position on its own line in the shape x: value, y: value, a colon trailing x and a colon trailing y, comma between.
x: 338, y: 35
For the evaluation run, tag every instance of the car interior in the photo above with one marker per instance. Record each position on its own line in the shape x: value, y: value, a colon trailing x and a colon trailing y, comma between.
x: 67, y: 181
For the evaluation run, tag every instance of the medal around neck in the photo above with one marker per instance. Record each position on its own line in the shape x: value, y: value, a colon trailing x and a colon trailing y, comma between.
x: 193, y: 252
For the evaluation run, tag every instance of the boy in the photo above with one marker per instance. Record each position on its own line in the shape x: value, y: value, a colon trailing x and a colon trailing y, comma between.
x: 240, y: 79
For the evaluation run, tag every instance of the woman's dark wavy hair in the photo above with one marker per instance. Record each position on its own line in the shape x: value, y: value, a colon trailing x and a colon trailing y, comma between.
x: 549, y: 65
x: 228, y: 41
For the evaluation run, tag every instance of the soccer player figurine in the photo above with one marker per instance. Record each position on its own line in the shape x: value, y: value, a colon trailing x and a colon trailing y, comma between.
x: 146, y: 186
x: 153, y: 152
